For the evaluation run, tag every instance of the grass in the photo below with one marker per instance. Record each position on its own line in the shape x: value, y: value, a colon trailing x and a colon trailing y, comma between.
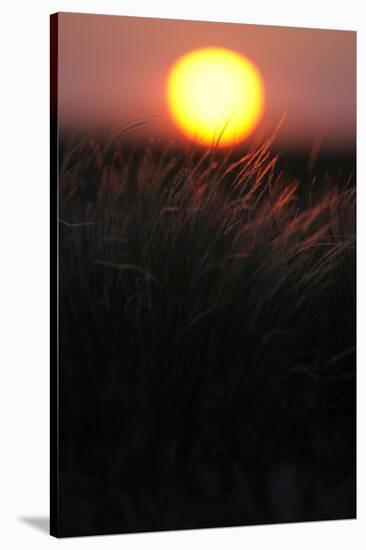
x: 207, y: 321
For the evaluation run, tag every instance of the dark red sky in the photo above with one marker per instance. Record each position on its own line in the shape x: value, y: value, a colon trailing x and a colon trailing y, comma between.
x: 113, y: 70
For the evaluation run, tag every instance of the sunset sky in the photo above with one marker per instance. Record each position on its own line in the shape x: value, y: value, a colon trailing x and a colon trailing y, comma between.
x: 114, y: 69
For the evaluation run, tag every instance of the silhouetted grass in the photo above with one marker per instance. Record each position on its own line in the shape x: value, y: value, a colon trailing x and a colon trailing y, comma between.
x: 207, y: 358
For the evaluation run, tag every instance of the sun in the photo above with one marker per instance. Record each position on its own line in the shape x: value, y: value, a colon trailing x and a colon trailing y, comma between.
x: 215, y: 96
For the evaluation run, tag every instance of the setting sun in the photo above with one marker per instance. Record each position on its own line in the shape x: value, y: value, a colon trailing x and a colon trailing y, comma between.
x: 215, y: 96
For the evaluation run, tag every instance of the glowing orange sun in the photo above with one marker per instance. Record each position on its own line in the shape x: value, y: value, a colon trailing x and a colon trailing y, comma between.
x: 215, y: 96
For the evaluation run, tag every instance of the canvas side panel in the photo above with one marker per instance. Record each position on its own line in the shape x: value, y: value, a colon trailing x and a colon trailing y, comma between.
x: 54, y: 402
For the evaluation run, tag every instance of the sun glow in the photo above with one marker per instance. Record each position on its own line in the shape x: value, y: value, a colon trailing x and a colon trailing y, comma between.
x: 215, y: 96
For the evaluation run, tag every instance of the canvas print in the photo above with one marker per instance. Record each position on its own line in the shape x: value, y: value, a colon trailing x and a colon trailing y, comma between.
x: 203, y: 291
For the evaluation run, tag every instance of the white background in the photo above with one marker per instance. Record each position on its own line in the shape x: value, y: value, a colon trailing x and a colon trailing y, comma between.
x: 24, y: 260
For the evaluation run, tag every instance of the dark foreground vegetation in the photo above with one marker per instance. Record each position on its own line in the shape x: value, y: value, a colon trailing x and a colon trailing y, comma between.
x: 207, y: 340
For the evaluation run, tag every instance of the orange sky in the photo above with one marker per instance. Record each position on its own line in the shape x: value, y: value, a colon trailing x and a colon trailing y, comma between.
x: 113, y: 69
